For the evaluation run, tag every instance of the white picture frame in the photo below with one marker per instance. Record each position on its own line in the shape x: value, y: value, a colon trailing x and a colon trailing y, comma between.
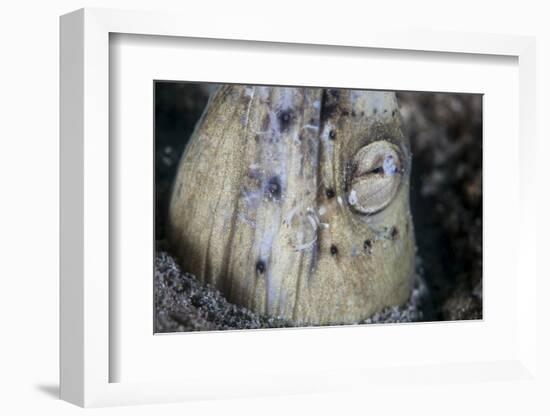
x: 87, y: 356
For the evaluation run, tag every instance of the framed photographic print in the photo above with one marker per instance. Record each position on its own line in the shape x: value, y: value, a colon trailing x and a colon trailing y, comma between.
x: 294, y: 206
x: 267, y: 213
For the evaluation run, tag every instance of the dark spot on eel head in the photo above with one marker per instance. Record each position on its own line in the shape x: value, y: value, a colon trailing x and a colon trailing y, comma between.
x: 393, y: 113
x: 273, y: 188
x: 330, y: 193
x: 353, y: 114
x: 332, y: 135
x: 375, y: 110
x: 367, y: 245
x: 333, y: 250
x: 394, y: 232
x: 285, y: 119
x: 260, y: 266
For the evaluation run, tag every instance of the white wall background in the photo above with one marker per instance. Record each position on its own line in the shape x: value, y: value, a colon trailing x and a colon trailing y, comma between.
x: 29, y: 210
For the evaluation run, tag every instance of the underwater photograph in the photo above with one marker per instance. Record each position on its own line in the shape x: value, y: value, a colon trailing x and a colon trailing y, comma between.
x: 298, y: 206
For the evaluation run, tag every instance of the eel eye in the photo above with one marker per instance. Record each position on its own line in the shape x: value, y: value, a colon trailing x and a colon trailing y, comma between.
x: 377, y: 174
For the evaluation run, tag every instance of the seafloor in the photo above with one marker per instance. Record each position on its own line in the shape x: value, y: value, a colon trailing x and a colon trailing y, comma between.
x: 445, y: 131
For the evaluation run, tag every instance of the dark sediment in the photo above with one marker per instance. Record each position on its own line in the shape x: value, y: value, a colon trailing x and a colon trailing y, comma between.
x: 446, y: 197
